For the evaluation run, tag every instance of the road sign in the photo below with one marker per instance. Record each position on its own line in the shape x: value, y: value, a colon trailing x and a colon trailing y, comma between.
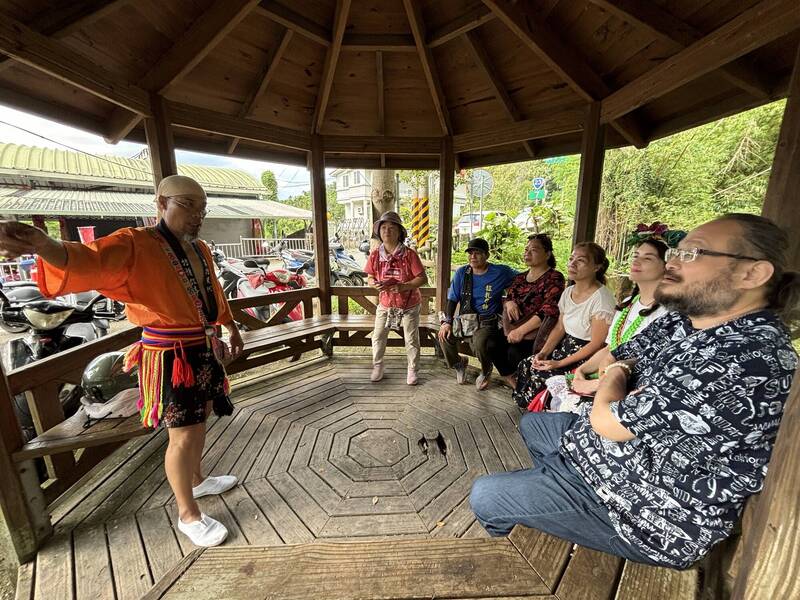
x: 537, y: 195
x: 481, y: 183
x: 538, y: 183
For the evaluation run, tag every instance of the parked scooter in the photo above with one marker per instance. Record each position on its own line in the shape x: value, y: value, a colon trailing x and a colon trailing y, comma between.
x: 55, y: 326
x: 302, y: 261
x: 251, y: 277
x: 23, y: 292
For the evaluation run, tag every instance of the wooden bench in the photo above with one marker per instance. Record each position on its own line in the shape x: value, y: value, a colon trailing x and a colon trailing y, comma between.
x: 527, y: 563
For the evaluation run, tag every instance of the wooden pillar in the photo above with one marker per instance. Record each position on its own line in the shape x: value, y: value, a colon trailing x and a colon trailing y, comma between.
x: 25, y: 522
x: 769, y: 567
x: 447, y: 173
x: 319, y: 210
x: 780, y: 203
x: 160, y: 141
x: 590, y: 176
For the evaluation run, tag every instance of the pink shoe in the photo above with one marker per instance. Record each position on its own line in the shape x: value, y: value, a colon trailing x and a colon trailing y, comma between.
x: 377, y: 372
x: 411, y: 378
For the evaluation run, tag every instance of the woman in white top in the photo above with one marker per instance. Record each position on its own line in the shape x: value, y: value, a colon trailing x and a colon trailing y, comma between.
x: 638, y: 310
x: 587, y: 309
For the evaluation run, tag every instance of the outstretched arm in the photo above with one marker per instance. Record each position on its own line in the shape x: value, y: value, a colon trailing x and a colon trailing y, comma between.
x: 18, y: 238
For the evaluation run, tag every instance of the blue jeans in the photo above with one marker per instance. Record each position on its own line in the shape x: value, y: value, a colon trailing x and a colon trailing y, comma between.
x: 551, y: 497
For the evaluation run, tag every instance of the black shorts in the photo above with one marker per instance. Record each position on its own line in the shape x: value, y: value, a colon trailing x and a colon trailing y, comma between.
x: 184, y: 406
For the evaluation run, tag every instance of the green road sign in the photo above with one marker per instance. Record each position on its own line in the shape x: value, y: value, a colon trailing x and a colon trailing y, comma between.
x: 534, y: 195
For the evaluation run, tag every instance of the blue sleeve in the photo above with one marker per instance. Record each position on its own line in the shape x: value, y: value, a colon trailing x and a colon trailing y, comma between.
x: 454, y: 293
x: 509, y: 275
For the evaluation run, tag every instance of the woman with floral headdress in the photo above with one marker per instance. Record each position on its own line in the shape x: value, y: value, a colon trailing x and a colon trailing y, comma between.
x: 637, y: 311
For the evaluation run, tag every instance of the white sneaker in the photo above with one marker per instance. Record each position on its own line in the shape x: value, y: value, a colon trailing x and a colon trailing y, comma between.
x: 214, y: 485
x: 482, y: 382
x: 377, y: 372
x: 205, y: 533
x: 411, y: 377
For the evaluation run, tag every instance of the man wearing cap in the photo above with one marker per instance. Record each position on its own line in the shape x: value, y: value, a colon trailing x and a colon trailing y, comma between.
x: 165, y: 276
x: 488, y: 283
x: 396, y: 270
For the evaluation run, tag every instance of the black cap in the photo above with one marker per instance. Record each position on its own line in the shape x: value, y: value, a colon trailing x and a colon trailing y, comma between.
x: 478, y: 244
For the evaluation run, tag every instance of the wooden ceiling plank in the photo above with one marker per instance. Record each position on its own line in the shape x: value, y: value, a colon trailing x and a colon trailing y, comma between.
x: 563, y: 60
x: 208, y: 30
x: 294, y: 21
x: 331, y: 60
x: 209, y: 121
x: 751, y: 29
x: 484, y: 64
x: 461, y: 25
x: 665, y: 26
x: 265, y: 76
x: 383, y: 42
x: 381, y: 93
x: 416, y: 22
x: 58, y: 60
x: 68, y: 18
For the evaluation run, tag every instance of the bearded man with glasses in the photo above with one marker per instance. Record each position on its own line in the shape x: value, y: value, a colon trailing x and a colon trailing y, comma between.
x: 682, y: 426
x: 165, y: 276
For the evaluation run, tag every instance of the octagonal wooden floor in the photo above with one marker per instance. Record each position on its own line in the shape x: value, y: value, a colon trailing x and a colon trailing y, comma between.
x: 320, y: 452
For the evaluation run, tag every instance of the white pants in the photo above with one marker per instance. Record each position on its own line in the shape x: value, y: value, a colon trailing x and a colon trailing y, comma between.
x: 410, y: 333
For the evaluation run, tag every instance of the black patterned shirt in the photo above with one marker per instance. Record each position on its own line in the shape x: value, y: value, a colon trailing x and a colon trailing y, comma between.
x: 705, y: 411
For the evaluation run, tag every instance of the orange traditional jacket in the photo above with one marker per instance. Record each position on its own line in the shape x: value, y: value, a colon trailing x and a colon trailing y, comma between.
x: 130, y: 266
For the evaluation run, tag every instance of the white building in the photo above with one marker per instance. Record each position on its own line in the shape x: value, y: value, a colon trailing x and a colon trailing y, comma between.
x: 353, y: 190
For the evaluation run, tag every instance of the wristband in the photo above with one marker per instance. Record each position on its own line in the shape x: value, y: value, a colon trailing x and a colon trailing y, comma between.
x: 620, y: 365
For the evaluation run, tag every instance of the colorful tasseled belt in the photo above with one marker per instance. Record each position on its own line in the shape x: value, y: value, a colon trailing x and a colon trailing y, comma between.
x: 148, y: 354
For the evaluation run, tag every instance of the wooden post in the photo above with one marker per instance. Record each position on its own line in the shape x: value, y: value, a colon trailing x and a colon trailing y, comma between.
x: 590, y: 176
x: 25, y: 522
x: 159, y: 140
x: 769, y: 567
x: 784, y: 181
x: 447, y: 172
x: 319, y: 210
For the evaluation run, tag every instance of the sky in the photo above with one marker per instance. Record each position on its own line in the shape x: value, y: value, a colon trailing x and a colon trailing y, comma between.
x: 17, y: 127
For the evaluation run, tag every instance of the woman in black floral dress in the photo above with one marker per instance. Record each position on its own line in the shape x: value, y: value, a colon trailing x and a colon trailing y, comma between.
x: 532, y: 300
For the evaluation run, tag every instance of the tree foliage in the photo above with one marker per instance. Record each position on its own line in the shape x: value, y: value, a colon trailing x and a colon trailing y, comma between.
x: 271, y: 185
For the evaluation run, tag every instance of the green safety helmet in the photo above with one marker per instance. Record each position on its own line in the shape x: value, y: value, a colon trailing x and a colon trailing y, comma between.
x: 104, y: 377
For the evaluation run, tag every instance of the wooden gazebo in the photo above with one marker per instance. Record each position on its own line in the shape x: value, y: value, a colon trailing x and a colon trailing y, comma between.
x: 422, y: 84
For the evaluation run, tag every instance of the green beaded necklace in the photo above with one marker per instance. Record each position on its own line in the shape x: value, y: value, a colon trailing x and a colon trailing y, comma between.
x: 618, y: 337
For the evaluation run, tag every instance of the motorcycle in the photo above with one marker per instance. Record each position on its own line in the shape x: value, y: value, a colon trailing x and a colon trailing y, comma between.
x: 302, y: 261
x: 251, y: 277
x: 346, y: 263
x: 22, y: 292
x: 54, y: 326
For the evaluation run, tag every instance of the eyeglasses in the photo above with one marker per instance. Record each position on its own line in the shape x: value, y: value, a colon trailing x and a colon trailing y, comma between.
x: 691, y: 254
x: 189, y: 208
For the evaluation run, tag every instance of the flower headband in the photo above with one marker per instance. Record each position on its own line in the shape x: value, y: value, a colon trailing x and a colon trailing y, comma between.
x: 657, y: 231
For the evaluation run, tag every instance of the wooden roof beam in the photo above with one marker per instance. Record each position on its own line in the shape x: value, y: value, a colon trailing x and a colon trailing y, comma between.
x: 414, y: 14
x: 67, y: 18
x: 484, y: 64
x: 210, y: 121
x: 62, y: 62
x: 457, y: 27
x: 540, y: 125
x: 265, y: 76
x: 563, y: 60
x: 752, y: 29
x: 331, y: 60
x: 382, y: 42
x: 204, y: 34
x: 663, y: 25
x: 295, y: 21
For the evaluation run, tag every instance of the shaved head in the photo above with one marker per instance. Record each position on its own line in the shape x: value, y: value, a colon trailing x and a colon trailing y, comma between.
x: 179, y: 185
